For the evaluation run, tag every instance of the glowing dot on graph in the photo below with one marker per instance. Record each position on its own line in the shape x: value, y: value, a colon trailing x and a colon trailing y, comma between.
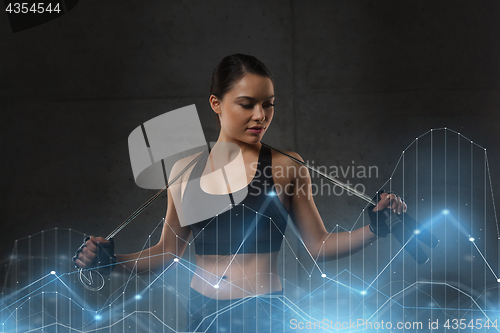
x: 323, y: 275
x: 176, y: 259
x: 53, y: 272
x: 98, y: 317
x: 416, y: 232
x: 471, y: 239
x: 363, y: 292
x: 446, y: 212
x: 138, y: 296
x: 216, y: 286
x: 498, y: 280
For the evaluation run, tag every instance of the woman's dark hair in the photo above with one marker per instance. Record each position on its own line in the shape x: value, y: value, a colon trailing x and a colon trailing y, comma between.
x: 231, y: 69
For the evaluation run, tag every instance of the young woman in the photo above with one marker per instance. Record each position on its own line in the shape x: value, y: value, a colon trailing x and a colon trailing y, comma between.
x: 237, y: 250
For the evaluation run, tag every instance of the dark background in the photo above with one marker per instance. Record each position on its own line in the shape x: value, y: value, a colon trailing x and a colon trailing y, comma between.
x: 355, y: 81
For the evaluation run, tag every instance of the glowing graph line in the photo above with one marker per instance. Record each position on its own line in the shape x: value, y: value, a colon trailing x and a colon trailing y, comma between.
x: 284, y: 298
x: 389, y: 298
x: 192, y: 271
x: 8, y: 306
x: 492, y: 196
x: 390, y: 261
x: 475, y: 301
x: 479, y: 251
x: 148, y: 257
x: 436, y: 283
x: 472, y: 143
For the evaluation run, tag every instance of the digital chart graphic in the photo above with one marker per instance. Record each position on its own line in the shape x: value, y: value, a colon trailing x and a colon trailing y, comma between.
x: 443, y: 176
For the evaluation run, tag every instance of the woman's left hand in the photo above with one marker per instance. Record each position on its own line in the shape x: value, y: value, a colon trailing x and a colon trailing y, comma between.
x: 391, y: 201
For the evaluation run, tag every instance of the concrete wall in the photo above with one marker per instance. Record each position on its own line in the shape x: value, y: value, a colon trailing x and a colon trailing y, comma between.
x: 355, y: 81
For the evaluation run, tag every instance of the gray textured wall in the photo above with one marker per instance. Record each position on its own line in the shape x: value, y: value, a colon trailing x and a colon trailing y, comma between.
x: 356, y: 80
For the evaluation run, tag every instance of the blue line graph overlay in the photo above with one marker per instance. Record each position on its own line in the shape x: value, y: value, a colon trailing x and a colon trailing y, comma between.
x: 443, y: 176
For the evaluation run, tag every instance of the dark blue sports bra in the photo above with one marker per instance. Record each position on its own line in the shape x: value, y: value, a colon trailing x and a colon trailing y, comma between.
x: 254, y: 225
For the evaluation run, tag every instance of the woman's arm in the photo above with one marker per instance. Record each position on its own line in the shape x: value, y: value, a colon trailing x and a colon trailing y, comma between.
x: 171, y: 245
x: 321, y: 244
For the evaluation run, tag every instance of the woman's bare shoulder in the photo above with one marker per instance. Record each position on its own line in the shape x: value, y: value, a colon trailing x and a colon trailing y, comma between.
x: 287, y: 168
x: 283, y: 160
x: 183, y: 163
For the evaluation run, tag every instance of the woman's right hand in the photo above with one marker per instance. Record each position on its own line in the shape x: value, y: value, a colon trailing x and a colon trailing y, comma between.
x: 96, y: 252
x: 87, y: 253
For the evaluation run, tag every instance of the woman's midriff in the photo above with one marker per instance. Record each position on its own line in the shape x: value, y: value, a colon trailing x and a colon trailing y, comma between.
x: 236, y: 275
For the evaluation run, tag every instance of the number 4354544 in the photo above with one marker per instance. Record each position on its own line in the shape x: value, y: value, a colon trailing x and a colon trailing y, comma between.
x: 39, y: 7
x: 455, y: 324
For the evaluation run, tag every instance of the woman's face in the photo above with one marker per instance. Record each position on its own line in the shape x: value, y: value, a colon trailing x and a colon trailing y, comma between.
x: 246, y: 111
